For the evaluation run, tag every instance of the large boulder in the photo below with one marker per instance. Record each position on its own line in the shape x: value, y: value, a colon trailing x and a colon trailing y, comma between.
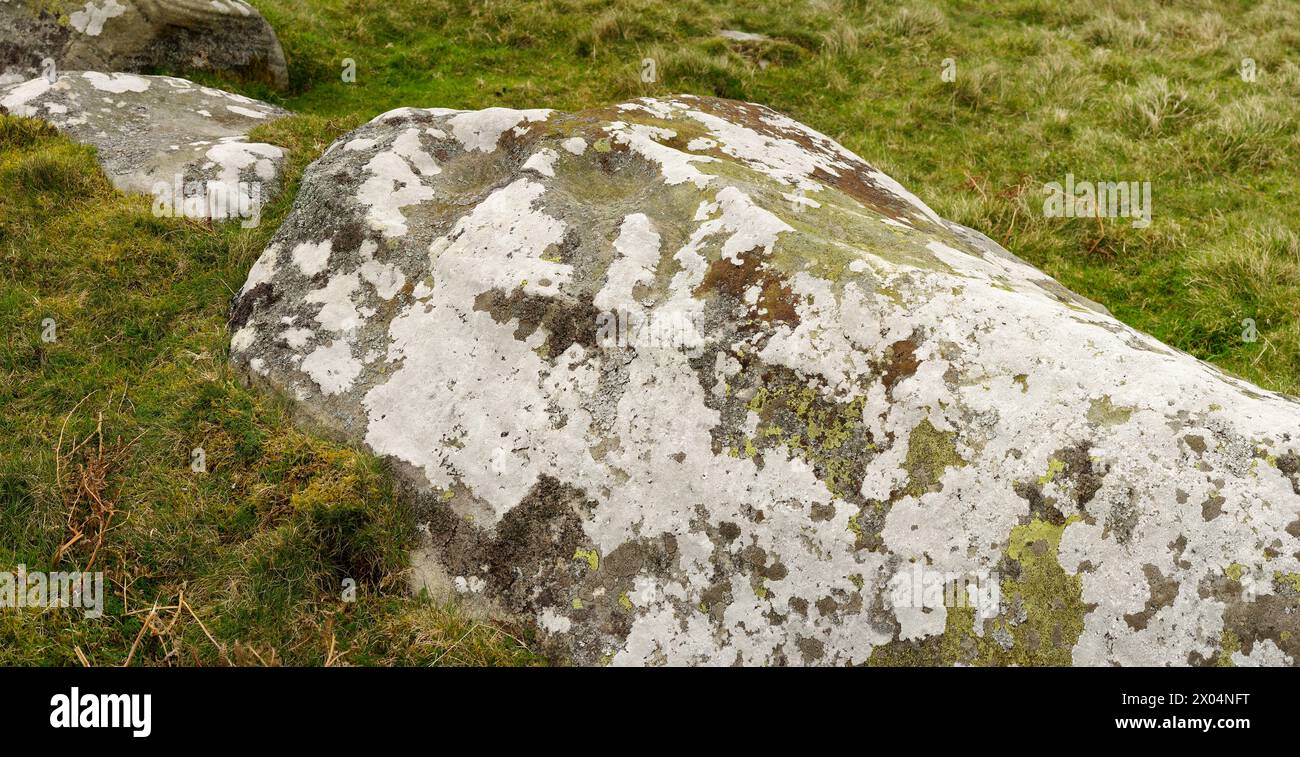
x: 183, y: 143
x: 684, y: 381
x: 227, y: 36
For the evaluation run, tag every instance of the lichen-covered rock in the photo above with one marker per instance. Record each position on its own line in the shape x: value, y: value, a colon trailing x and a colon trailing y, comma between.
x: 687, y: 382
x: 227, y: 36
x: 183, y: 143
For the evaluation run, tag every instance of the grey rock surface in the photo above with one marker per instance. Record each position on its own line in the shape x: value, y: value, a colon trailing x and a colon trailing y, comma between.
x: 183, y: 143
x: 682, y: 381
x: 736, y: 35
x: 137, y: 36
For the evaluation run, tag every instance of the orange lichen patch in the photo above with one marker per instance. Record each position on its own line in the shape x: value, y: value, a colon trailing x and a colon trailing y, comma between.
x: 776, y: 300
x: 853, y: 180
x: 857, y: 185
x: 900, y: 362
x: 779, y: 302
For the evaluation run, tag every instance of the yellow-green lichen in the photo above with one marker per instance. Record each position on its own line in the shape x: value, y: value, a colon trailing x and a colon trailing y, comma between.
x: 1289, y: 579
x: 1228, y: 645
x: 1054, y: 468
x: 1052, y: 598
x: 1042, y: 630
x: 854, y: 526
x: 820, y: 432
x: 1103, y: 412
x: 929, y: 452
x: 590, y: 555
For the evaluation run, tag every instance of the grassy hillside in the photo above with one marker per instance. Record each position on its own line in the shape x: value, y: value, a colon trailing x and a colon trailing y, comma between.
x: 245, y: 562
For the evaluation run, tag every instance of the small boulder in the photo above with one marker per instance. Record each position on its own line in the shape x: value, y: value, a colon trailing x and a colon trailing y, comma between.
x: 226, y: 36
x: 183, y: 143
x: 683, y: 381
x: 736, y: 35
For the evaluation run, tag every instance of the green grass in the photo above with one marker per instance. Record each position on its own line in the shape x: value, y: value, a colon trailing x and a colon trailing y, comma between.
x: 259, y: 545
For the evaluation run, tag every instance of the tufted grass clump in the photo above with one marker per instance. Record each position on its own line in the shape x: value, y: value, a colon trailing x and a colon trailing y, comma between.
x: 1155, y: 107
x: 1255, y: 273
x: 1249, y: 134
x: 915, y: 21
x: 1113, y: 32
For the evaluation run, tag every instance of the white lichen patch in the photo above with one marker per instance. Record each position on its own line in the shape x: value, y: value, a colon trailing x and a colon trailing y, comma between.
x: 337, y: 312
x: 249, y: 112
x: 394, y: 181
x: 748, y: 226
x: 116, y: 83
x: 481, y: 129
x: 675, y: 165
x: 312, y: 257
x: 90, y: 19
x: 17, y: 97
x: 637, y: 249
x: 542, y: 161
x: 716, y: 423
x: 332, y: 367
x: 263, y: 269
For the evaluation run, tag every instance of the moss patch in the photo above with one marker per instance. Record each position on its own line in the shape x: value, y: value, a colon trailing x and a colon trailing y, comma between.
x: 830, y: 436
x: 929, y: 452
x: 1103, y: 412
x: 1040, y: 622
